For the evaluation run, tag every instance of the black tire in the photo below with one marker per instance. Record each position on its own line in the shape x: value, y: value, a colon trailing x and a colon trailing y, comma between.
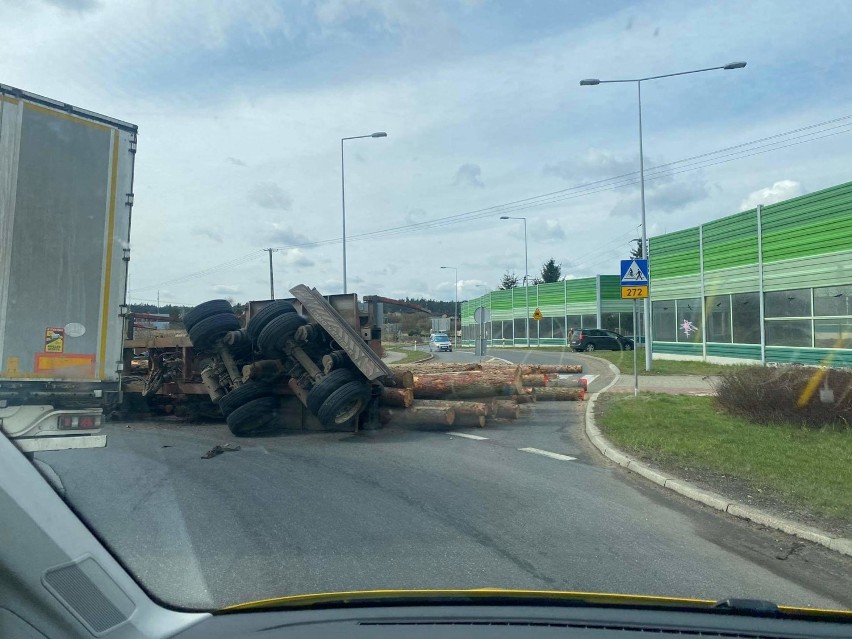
x: 265, y: 315
x: 628, y: 347
x: 277, y: 331
x: 589, y: 347
x: 346, y: 402
x: 208, y: 330
x: 323, y: 389
x: 205, y: 310
x: 255, y: 417
x: 242, y: 395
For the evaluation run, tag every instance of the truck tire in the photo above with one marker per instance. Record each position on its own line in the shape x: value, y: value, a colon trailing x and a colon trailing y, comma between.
x: 346, y: 402
x: 267, y: 314
x: 242, y: 395
x: 277, y: 331
x: 208, y: 330
x: 255, y: 417
x: 326, y: 386
x: 205, y: 310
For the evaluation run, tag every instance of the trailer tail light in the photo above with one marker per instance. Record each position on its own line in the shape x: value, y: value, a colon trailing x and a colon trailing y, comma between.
x: 78, y: 422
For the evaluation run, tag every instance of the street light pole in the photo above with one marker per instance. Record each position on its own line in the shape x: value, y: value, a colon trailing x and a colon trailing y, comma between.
x: 377, y: 134
x: 644, y: 253
x: 271, y: 280
x: 456, y: 317
x: 526, y: 272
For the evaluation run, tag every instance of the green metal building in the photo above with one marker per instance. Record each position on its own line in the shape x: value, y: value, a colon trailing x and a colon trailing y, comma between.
x: 773, y: 284
x: 591, y: 302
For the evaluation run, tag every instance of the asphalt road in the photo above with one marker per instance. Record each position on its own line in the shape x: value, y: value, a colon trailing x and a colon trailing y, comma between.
x: 425, y: 508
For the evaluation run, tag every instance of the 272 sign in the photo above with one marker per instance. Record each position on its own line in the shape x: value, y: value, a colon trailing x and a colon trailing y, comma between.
x: 634, y: 292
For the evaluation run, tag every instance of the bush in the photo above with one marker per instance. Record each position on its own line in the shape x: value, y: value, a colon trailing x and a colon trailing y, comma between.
x: 787, y: 394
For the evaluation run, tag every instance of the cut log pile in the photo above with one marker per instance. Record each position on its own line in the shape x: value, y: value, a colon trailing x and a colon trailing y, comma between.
x: 457, y: 394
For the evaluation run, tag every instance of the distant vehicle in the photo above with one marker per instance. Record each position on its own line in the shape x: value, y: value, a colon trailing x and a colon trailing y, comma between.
x: 440, y: 342
x: 592, y: 339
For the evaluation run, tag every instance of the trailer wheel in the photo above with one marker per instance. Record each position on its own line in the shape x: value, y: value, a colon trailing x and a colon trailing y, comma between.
x: 343, y: 404
x: 205, y: 310
x: 242, y: 395
x: 257, y: 417
x: 277, y: 331
x: 208, y: 330
x: 323, y: 389
x: 267, y: 314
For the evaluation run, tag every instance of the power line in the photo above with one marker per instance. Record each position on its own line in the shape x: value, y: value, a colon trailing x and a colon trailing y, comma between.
x: 693, y: 163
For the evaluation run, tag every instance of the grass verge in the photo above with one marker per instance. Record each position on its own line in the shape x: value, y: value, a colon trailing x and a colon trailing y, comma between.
x: 409, y: 355
x: 804, y: 471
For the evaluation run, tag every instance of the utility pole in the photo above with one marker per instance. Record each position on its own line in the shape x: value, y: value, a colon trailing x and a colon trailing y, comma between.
x: 271, y: 277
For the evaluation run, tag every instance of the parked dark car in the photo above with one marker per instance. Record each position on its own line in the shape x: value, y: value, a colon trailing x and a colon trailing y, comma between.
x: 597, y: 339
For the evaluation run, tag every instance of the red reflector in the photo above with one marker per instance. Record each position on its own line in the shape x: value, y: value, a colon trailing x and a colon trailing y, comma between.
x: 87, y: 421
x: 66, y: 421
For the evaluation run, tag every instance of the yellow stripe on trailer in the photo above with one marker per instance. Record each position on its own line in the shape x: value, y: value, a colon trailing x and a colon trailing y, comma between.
x: 108, y: 264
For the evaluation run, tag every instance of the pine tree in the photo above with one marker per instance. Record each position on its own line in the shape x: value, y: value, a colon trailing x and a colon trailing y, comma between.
x: 550, y: 272
x: 510, y: 280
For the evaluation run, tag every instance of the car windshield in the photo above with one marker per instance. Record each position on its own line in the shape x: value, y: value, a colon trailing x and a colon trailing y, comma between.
x: 337, y: 295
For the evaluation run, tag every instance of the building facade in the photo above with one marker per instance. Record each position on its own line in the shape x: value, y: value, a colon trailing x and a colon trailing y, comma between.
x: 768, y: 285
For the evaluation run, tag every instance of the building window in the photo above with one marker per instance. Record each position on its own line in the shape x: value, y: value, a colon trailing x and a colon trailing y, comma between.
x: 589, y: 321
x: 789, y: 332
x: 521, y: 328
x: 573, y: 321
x: 833, y: 301
x: 609, y: 322
x: 718, y: 322
x: 745, y: 317
x: 497, y: 330
x: 833, y: 333
x: 689, y: 320
x: 626, y: 324
x: 665, y: 321
x: 794, y: 303
x: 559, y: 327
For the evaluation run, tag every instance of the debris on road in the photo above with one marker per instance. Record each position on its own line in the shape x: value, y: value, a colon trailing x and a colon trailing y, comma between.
x: 219, y: 449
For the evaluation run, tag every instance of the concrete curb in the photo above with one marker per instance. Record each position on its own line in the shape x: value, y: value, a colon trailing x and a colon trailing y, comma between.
x: 708, y: 498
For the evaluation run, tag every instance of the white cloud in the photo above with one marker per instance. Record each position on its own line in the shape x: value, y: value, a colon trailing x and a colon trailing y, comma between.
x: 281, y: 235
x: 469, y: 175
x: 226, y: 289
x: 546, y: 231
x: 269, y: 195
x: 213, y: 232
x: 778, y: 192
x: 296, y: 258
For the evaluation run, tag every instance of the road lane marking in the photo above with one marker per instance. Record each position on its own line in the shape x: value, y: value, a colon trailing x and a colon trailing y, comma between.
x: 466, y: 436
x: 547, y: 453
x: 589, y: 378
x: 500, y: 359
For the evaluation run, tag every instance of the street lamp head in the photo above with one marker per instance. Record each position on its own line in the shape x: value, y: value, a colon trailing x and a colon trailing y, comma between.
x: 446, y: 267
x: 734, y: 65
x: 505, y: 217
x: 382, y: 134
x: 590, y: 82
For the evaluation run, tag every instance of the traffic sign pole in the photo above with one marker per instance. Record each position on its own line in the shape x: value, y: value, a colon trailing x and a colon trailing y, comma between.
x: 635, y: 357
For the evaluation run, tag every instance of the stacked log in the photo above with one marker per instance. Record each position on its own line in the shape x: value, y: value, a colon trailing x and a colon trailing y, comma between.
x: 452, y: 394
x: 470, y: 384
x: 559, y: 394
x: 398, y: 397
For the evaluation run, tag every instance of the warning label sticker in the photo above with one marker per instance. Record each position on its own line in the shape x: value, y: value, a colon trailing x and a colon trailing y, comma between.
x: 54, y: 340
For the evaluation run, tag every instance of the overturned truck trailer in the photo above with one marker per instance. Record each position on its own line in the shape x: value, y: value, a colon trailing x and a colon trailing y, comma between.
x: 306, y: 363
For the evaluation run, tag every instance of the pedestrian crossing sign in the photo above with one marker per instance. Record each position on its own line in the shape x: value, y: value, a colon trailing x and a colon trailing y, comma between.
x: 634, y: 272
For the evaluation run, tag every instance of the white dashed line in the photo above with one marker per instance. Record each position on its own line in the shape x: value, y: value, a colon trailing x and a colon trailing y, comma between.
x: 466, y: 436
x: 589, y: 378
x: 547, y: 453
x: 500, y: 359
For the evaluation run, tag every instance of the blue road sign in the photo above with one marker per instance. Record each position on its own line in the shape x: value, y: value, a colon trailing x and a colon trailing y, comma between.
x: 634, y: 272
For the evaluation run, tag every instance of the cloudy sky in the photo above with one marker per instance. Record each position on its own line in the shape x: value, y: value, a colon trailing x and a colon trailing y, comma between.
x: 241, y: 107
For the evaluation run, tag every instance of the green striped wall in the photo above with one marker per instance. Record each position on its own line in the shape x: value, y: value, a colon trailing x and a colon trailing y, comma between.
x: 731, y: 241
x: 676, y: 287
x: 674, y: 254
x: 738, y: 351
x: 551, y: 299
x: 679, y: 348
x: 740, y: 279
x: 809, y: 356
x: 809, y: 225
x: 832, y: 269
